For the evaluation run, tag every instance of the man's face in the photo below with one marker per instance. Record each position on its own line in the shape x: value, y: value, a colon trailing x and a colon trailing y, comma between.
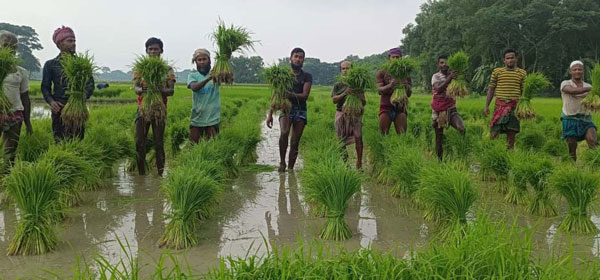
x: 394, y: 56
x: 154, y: 50
x: 68, y: 45
x: 443, y: 65
x: 202, y: 61
x: 510, y: 60
x: 297, y: 59
x: 344, y: 67
x: 576, y: 71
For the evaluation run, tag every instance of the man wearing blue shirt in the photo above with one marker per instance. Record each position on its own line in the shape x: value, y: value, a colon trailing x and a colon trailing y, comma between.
x: 206, y: 107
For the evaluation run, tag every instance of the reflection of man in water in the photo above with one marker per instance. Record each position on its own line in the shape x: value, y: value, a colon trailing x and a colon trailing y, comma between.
x: 286, y: 222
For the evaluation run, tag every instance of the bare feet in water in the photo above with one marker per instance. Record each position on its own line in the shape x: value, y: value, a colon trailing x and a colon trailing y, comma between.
x: 282, y: 167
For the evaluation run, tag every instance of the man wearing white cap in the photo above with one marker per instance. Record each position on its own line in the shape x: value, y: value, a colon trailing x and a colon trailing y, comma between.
x: 577, y: 123
x: 206, y: 103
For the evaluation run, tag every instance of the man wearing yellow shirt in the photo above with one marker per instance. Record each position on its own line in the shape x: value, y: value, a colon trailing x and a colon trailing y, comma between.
x: 507, y: 86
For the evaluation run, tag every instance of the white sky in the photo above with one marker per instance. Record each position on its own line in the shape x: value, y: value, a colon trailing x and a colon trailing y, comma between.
x: 115, y: 31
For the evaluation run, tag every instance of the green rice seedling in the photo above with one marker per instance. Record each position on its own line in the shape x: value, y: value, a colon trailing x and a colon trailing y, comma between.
x: 189, y: 191
x: 359, y: 79
x: 178, y: 133
x: 495, y: 164
x: 8, y: 64
x: 334, y: 185
x: 111, y: 151
x: 580, y: 189
x: 78, y: 72
x: 591, y: 157
x: 33, y: 146
x: 228, y: 40
x: 75, y: 173
x: 534, y: 84
x: 34, y: 187
x: 152, y: 71
x: 532, y: 140
x: 521, y: 172
x: 458, y: 146
x: 405, y: 164
x: 400, y: 69
x: 281, y: 79
x: 541, y: 204
x: 459, y: 62
x: 592, y: 101
x: 556, y: 148
x: 447, y: 194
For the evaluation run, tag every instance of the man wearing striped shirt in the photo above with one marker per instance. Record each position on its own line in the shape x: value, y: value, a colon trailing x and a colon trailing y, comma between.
x: 507, y: 85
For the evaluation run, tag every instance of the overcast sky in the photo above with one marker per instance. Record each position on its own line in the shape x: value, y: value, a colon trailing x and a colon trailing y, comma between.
x: 115, y: 31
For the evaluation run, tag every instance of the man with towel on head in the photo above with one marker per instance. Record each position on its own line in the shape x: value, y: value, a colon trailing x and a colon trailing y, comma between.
x: 577, y: 123
x: 391, y: 113
x: 206, y: 102
x: 54, y: 86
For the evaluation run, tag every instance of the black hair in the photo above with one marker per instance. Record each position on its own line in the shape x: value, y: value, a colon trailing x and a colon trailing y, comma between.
x: 153, y: 40
x: 442, y: 56
x: 297, y: 50
x: 509, y: 50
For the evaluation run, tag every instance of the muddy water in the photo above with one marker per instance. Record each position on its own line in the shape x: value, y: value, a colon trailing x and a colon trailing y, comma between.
x: 258, y: 206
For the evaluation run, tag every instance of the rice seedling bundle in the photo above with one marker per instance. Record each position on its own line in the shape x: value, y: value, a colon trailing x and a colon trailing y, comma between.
x: 541, y: 204
x: 405, y: 164
x: 580, y: 189
x: 534, y: 84
x: 359, y: 79
x: 447, y: 193
x: 8, y: 64
x: 592, y: 101
x: 34, y: 187
x: 190, y: 192
x: 228, y: 40
x: 282, y: 80
x: 495, y: 164
x: 591, y: 157
x: 78, y: 71
x: 521, y: 171
x: 153, y: 72
x: 400, y: 70
x: 33, y: 146
x: 75, y: 173
x: 458, y: 62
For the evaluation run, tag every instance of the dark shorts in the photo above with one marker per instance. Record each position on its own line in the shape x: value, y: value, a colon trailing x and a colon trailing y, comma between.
x: 216, y: 127
x: 392, y: 111
x: 296, y: 115
x: 507, y: 123
x: 575, y: 128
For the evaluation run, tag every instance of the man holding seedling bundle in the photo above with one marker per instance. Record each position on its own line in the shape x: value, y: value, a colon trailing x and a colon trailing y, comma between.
x: 443, y: 106
x: 296, y: 119
x: 348, y: 129
x: 54, y: 86
x: 206, y: 107
x: 577, y: 123
x: 388, y: 112
x: 154, y: 47
x: 15, y: 87
x: 507, y: 85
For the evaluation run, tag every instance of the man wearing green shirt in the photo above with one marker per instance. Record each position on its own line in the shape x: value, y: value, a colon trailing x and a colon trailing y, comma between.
x: 206, y: 107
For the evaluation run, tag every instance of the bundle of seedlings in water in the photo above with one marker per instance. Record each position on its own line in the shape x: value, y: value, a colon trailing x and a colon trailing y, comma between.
x: 400, y: 70
x: 447, y: 194
x: 541, y: 204
x: 359, y: 79
x: 405, y: 163
x: 228, y: 40
x: 592, y: 101
x: 78, y: 72
x: 152, y: 72
x: 458, y: 62
x: 75, y: 173
x: 591, y: 158
x: 495, y: 164
x: 8, y: 64
x: 34, y: 187
x: 189, y: 191
x: 534, y: 84
x: 580, y: 189
x: 521, y: 172
x: 282, y: 80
